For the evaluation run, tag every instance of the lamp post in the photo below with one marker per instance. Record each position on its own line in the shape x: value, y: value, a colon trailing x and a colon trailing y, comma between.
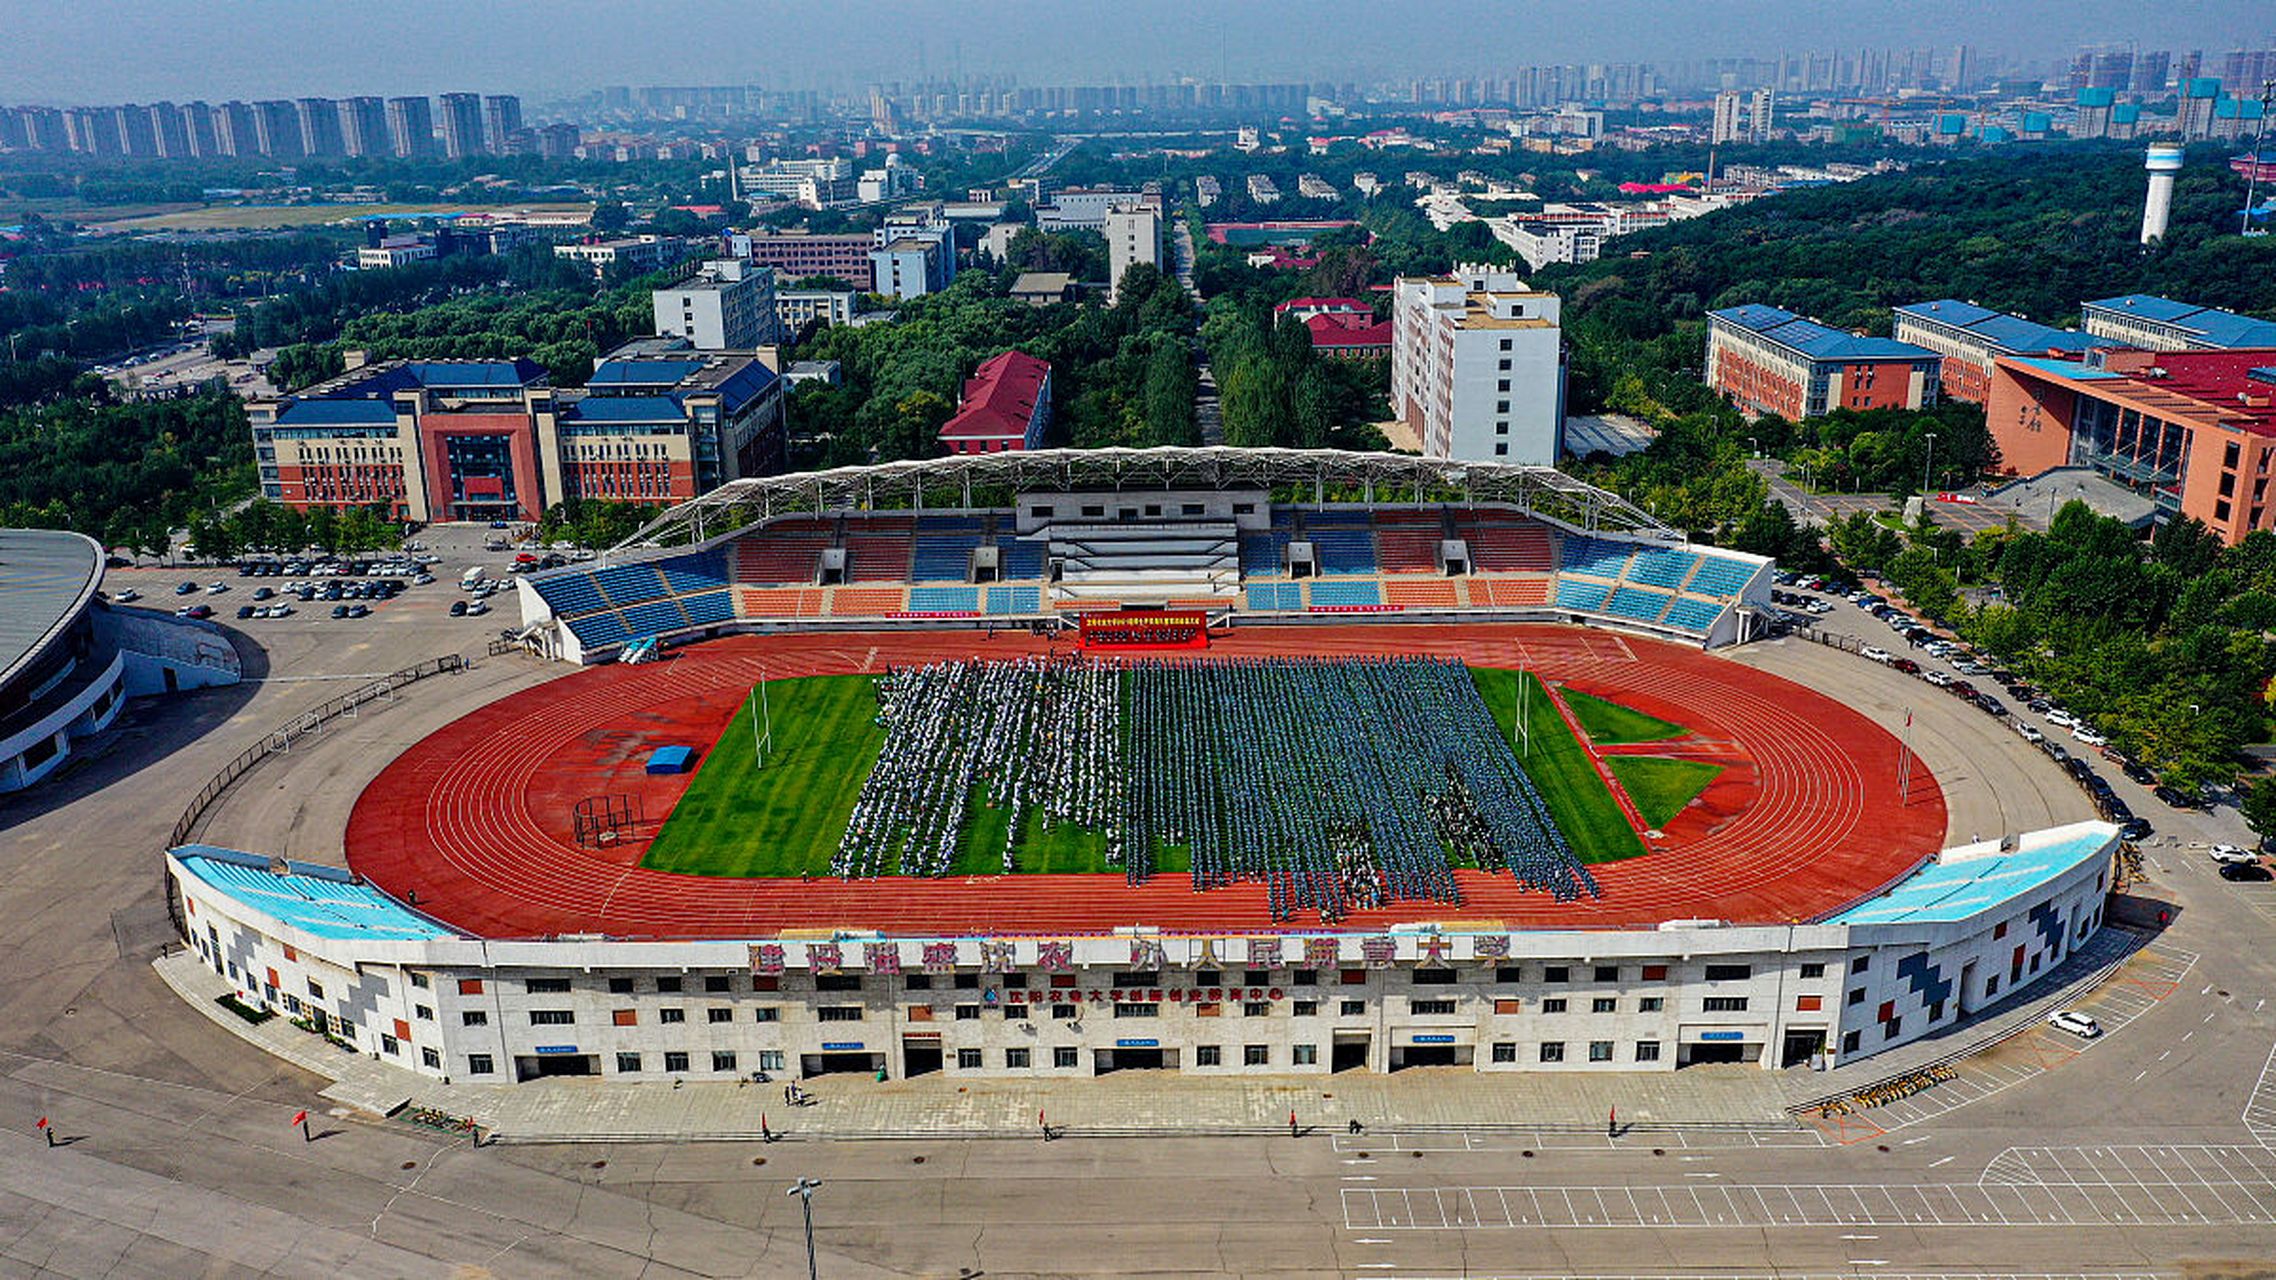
x: 804, y: 1189
x: 1755, y: 446
x: 1925, y: 459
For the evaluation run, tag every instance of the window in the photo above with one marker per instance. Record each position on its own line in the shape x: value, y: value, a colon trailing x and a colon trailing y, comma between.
x: 1501, y: 449
x: 1813, y: 969
x: 1809, y: 1004
x: 1305, y: 1009
x: 837, y: 982
x: 1256, y: 1055
x: 315, y: 989
x: 1255, y: 977
x: 968, y: 1013
x: 1138, y: 978
x: 419, y: 980
x: 620, y: 986
x: 1856, y: 995
x: 1306, y: 1055
x: 1604, y: 1004
x: 1554, y: 1004
x: 1016, y: 1012
x: 1650, y: 1004
x: 722, y: 1060
x: 1724, y: 1004
x: 1729, y: 972
x: 1600, y: 1051
x: 1936, y: 1012
x: 473, y: 1018
x: 479, y: 1064
x: 1208, y: 1055
x: 1849, y: 1043
x: 551, y: 1018
x: 1505, y: 1051
x: 1509, y: 973
x: 717, y: 983
x: 1999, y: 930
x: 1655, y: 973
x: 546, y: 986
x: 667, y: 985
x: 671, y: 1015
x: 1502, y: 385
x: 1352, y: 977
x: 1647, y: 1051
x: 1256, y: 1009
x: 1129, y: 1009
x: 766, y: 1013
x: 1434, y: 977
x: 1557, y: 973
x: 1016, y: 1059
x: 1304, y: 978
x: 1208, y: 978
x: 1508, y: 1005
x: 1890, y: 1028
x: 838, y: 1013
x: 623, y: 1018
x: 389, y: 1043
x: 770, y: 1059
x: 1064, y: 1056
x: 718, y: 1014
x: 1352, y: 1009
x: 628, y: 1064
x: 918, y: 982
x: 1861, y: 964
x: 1430, y: 1008
x: 1552, y: 1051
x: 675, y: 1062
x: 968, y: 1059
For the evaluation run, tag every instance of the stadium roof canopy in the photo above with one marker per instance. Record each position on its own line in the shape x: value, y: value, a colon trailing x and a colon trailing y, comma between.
x: 46, y: 577
x: 986, y: 480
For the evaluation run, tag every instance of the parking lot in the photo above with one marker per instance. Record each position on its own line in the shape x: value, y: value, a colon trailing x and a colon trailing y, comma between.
x: 168, y: 370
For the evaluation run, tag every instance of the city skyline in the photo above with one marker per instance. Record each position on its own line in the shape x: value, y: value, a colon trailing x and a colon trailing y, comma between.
x: 238, y: 48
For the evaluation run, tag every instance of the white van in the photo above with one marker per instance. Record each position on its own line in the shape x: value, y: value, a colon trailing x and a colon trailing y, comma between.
x: 472, y: 578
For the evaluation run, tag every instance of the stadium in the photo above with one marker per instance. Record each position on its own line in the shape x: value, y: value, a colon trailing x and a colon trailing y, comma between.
x: 1203, y: 760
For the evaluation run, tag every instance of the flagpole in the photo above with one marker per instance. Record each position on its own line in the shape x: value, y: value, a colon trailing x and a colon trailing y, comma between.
x: 1904, y: 764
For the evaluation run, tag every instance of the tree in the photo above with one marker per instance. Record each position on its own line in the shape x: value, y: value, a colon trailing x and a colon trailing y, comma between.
x: 2260, y: 806
x: 611, y: 215
x: 1170, y: 387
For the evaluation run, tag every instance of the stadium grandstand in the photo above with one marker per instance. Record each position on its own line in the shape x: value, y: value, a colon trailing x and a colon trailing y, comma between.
x: 1035, y: 538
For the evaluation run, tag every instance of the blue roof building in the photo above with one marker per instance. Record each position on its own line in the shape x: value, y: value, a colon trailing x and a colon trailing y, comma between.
x: 1970, y: 337
x: 2161, y: 324
x: 1771, y: 361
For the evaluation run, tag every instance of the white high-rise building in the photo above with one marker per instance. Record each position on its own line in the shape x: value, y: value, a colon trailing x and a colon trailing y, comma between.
x: 1478, y: 366
x: 1133, y: 235
x: 1743, y: 116
x: 727, y: 305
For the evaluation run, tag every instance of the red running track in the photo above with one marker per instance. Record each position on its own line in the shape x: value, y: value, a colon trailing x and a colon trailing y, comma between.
x: 475, y: 819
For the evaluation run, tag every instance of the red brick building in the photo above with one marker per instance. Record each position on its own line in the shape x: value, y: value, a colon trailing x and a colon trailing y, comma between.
x: 1769, y: 361
x: 1006, y: 405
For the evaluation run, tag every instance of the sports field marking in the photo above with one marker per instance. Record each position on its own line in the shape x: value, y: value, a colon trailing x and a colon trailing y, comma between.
x: 1608, y: 723
x: 1661, y: 787
x: 1560, y: 767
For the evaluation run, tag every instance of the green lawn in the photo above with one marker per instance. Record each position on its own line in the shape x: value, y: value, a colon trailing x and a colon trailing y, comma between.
x: 1660, y: 786
x: 1584, y: 809
x: 1611, y: 724
x: 785, y: 819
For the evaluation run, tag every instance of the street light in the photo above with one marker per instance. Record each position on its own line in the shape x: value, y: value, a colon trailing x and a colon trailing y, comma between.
x: 804, y: 1189
x: 1924, y: 461
x: 1755, y: 445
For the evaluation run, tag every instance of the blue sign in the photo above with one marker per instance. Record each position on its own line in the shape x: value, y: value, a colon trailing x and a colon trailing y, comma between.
x: 841, y: 1046
x: 557, y: 1048
x: 1434, y: 1039
x: 1137, y: 1044
x: 1722, y: 1035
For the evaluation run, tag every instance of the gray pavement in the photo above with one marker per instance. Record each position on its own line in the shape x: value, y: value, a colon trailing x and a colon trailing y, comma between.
x: 2141, y: 1154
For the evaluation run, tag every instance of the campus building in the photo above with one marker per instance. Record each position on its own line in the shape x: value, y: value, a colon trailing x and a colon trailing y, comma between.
x: 1766, y: 360
x: 1133, y: 236
x: 1006, y: 405
x: 797, y: 255
x: 635, y: 255
x: 1478, y: 366
x: 432, y: 440
x: 1962, y: 934
x: 2161, y: 324
x: 2195, y: 431
x: 1970, y: 338
x: 727, y: 305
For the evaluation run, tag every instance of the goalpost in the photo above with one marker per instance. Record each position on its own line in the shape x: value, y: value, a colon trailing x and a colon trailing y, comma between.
x: 762, y: 720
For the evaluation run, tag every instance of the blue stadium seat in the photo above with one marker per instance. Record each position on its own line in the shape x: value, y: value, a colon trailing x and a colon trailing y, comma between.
x: 944, y: 599
x: 1633, y: 602
x: 1721, y: 576
x: 1596, y: 556
x: 1264, y: 555
x: 1585, y: 596
x: 1344, y: 550
x: 571, y: 594
x: 1275, y: 597
x: 601, y: 628
x: 1344, y: 595
x: 710, y: 607
x: 685, y: 575
x: 657, y: 617
x: 630, y: 583
x: 944, y: 557
x: 1661, y: 567
x: 1694, y: 615
x: 1017, y: 559
x: 1004, y: 601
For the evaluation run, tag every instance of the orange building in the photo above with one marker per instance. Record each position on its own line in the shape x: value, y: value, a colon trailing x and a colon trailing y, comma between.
x: 2194, y: 430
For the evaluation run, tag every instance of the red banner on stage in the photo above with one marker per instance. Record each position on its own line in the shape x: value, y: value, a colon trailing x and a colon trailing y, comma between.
x: 1144, y: 629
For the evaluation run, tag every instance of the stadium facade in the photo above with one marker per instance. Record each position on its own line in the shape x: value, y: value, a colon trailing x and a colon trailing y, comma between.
x: 1959, y: 934
x: 1254, y: 535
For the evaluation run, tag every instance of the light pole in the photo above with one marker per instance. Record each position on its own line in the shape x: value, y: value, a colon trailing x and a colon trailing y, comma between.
x: 2252, y: 169
x: 804, y: 1189
x: 1925, y: 459
x: 1755, y: 446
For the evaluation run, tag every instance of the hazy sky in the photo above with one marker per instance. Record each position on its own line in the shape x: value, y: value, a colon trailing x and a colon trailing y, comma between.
x: 97, y: 51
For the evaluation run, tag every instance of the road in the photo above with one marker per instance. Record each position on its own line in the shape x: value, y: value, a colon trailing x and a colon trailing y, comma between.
x: 1822, y: 508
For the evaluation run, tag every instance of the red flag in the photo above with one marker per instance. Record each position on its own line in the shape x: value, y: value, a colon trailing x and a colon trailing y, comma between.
x: 300, y: 1117
x: 42, y: 1124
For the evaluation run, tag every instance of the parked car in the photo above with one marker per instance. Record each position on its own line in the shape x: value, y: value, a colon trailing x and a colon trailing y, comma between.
x: 216, y: 588
x: 458, y: 608
x: 2078, y: 1024
x: 2061, y: 718
x: 2137, y: 772
x: 199, y: 611
x: 2173, y: 798
x: 2136, y: 829
x: 1906, y: 665
x: 2235, y: 855
x: 2245, y: 872
x: 245, y: 611
x: 185, y: 588
x: 2030, y: 735
x: 1882, y: 656
x: 1937, y: 678
x: 2089, y: 737
x: 2054, y: 750
x: 127, y: 596
x: 477, y: 609
x: 1991, y: 704
x: 339, y: 611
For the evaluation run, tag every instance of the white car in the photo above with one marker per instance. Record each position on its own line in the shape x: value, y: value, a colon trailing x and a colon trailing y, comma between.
x: 477, y: 609
x: 2030, y: 735
x: 2078, y: 1024
x: 1937, y: 678
x: 128, y: 596
x: 2234, y: 855
x: 1882, y: 656
x: 2062, y: 719
x: 2089, y: 737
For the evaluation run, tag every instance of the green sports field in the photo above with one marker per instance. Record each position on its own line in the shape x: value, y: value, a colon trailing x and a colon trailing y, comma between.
x: 1661, y: 786
x: 785, y: 820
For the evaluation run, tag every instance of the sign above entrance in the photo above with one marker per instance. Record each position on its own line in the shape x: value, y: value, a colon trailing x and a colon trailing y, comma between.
x: 1434, y: 1039
x: 1137, y: 1044
x: 1722, y: 1035
x: 842, y: 1046
x: 556, y: 1048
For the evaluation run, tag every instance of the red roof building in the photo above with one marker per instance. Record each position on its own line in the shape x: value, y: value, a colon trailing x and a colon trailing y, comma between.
x: 1306, y: 308
x: 1350, y: 337
x: 1006, y: 405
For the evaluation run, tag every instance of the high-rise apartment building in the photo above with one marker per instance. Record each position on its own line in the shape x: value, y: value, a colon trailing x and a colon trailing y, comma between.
x: 1133, y: 235
x: 411, y: 126
x: 320, y: 127
x: 462, y: 125
x: 234, y: 133
x: 727, y: 305
x: 1742, y: 116
x: 1478, y: 366
x: 276, y: 129
x: 197, y: 129
x: 501, y: 120
x: 363, y: 127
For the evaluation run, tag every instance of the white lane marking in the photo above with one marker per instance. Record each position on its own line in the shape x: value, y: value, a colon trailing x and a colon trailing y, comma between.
x: 1935, y: 1164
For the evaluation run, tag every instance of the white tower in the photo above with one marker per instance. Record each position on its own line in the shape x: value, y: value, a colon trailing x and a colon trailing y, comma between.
x: 2164, y: 161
